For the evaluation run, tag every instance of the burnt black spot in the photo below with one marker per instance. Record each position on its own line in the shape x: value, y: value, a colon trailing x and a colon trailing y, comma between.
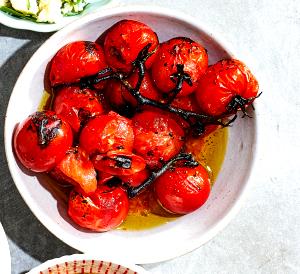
x: 90, y: 47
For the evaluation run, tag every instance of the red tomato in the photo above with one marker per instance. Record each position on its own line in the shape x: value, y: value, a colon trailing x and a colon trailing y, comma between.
x: 119, y: 163
x: 135, y: 179
x: 42, y: 140
x: 183, y: 189
x: 101, y: 211
x: 76, y: 60
x: 104, y: 177
x: 76, y: 169
x: 119, y: 96
x: 124, y: 41
x: 221, y: 83
x: 183, y: 51
x: 107, y: 132
x: 77, y: 105
x: 157, y: 137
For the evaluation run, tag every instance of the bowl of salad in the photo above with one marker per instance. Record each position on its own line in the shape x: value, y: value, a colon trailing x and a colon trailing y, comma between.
x: 47, y: 15
x: 133, y: 134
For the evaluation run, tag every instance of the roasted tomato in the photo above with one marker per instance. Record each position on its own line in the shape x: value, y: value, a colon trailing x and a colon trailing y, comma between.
x: 42, y: 140
x: 176, y: 51
x: 222, y: 82
x: 77, y: 105
x: 183, y: 189
x: 105, y: 133
x: 76, y: 60
x: 119, y: 163
x: 101, y: 211
x: 124, y: 41
x: 135, y: 179
x: 157, y: 137
x: 120, y: 97
x: 76, y: 168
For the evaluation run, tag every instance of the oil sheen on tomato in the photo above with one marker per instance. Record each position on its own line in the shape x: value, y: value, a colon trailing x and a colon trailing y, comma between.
x: 144, y: 211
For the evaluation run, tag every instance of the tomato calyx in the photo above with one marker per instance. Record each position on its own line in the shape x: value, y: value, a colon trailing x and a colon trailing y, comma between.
x: 239, y: 103
x: 188, y: 159
x: 46, y: 131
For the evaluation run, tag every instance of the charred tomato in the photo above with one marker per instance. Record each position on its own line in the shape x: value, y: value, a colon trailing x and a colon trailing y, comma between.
x: 76, y: 60
x: 224, y: 82
x: 179, y: 51
x: 182, y: 190
x: 77, y: 105
x: 42, y: 140
x: 101, y: 211
x: 124, y: 41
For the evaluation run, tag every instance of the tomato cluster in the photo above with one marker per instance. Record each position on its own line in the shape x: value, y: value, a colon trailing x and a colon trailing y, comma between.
x: 120, y: 116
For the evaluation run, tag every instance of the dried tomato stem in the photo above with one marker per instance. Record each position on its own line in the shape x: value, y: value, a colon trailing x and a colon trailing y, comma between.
x: 134, y: 191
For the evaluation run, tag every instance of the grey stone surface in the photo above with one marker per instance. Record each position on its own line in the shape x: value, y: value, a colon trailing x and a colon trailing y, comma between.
x: 264, y: 237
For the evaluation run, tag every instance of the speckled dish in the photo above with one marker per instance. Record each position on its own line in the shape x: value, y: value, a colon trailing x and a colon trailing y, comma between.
x: 85, y: 264
x: 4, y: 253
x: 163, y: 242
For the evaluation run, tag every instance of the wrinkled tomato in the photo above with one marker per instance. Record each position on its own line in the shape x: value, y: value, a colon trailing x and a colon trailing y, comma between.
x: 221, y: 83
x: 76, y: 168
x: 42, y: 140
x: 107, y: 132
x: 103, y: 210
x: 157, y: 137
x: 76, y: 60
x: 135, y: 179
x: 124, y: 41
x: 176, y: 51
x: 183, y: 189
x: 77, y: 105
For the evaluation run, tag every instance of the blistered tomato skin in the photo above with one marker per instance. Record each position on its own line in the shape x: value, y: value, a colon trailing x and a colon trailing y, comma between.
x: 42, y: 140
x: 183, y: 189
x: 183, y: 51
x: 221, y: 82
x: 77, y: 105
x: 101, y: 211
x: 124, y: 41
x: 76, y: 60
x: 157, y: 137
x: 107, y: 132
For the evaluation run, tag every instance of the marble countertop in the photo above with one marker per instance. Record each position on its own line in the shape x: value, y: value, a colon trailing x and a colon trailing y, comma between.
x: 264, y: 237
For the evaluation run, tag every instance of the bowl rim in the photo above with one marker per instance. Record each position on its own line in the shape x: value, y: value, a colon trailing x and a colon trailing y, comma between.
x: 232, y: 209
x: 86, y: 257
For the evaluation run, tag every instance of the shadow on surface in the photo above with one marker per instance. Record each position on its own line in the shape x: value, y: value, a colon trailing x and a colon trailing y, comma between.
x: 19, y: 223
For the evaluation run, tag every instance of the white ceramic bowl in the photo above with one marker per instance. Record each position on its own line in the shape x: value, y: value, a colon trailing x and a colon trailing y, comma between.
x: 19, y: 23
x: 83, y: 263
x: 163, y: 242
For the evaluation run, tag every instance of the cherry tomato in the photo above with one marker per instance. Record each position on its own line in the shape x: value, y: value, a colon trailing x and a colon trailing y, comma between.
x: 104, y: 177
x: 135, y: 179
x: 76, y: 60
x: 183, y: 189
x: 76, y: 169
x: 157, y: 137
x: 124, y: 41
x: 119, y: 163
x: 77, y: 105
x: 119, y: 96
x: 107, y: 132
x: 183, y: 51
x: 221, y: 82
x: 42, y: 140
x: 101, y: 211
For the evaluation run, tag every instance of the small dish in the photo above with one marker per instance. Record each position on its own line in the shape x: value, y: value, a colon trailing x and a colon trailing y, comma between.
x: 18, y: 23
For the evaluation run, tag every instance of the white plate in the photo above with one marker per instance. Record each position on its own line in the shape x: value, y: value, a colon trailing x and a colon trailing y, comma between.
x: 163, y: 242
x: 17, y: 23
x: 4, y: 253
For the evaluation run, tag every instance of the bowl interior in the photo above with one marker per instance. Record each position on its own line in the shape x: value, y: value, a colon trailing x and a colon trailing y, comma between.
x: 175, y: 238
